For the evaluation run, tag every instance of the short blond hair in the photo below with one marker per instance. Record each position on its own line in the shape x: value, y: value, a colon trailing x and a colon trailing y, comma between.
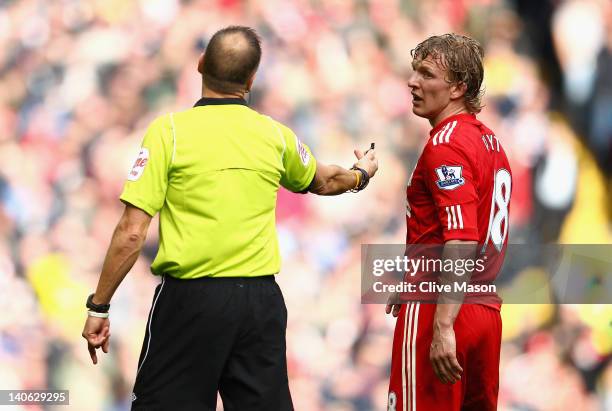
x: 462, y: 57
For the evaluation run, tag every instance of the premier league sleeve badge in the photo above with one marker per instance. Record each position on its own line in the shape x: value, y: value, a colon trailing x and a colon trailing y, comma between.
x: 449, y: 177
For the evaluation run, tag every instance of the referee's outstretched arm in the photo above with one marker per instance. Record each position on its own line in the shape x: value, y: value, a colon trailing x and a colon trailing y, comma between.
x: 332, y: 180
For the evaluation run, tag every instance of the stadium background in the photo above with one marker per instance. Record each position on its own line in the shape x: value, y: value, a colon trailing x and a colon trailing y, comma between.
x: 80, y: 80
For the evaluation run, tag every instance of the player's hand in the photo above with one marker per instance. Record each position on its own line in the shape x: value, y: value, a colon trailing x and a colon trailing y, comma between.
x: 393, y: 307
x: 443, y: 354
x: 97, y: 334
x: 368, y: 161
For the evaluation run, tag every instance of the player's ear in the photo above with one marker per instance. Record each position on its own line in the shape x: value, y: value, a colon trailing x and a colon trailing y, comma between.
x: 201, y: 64
x: 458, y: 90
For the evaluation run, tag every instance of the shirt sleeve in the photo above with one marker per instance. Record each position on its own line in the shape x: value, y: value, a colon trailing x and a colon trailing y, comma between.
x: 298, y: 162
x: 147, y: 181
x: 451, y: 182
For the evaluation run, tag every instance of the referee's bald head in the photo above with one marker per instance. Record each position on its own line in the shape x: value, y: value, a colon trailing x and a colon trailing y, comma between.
x: 231, y: 59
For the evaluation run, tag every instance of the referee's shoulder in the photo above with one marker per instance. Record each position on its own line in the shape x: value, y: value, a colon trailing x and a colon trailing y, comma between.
x: 156, y: 122
x: 167, y: 121
x: 161, y: 126
x: 282, y: 128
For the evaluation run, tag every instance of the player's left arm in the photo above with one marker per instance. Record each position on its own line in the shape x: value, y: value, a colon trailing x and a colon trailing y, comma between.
x: 452, y: 183
x: 443, y: 350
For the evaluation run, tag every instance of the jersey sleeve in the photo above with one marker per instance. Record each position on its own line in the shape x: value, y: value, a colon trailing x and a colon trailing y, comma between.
x: 147, y: 181
x: 298, y: 162
x: 450, y: 179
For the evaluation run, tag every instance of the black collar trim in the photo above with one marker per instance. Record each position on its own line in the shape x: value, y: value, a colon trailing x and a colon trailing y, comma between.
x: 215, y: 101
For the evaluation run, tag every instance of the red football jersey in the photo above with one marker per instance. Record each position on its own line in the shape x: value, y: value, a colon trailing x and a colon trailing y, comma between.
x: 460, y: 190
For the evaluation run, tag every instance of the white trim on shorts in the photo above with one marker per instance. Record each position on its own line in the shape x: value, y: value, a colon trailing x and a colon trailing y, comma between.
x: 150, y: 321
x: 409, y: 357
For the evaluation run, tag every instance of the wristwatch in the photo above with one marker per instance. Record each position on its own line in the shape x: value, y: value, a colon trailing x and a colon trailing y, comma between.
x: 98, y: 308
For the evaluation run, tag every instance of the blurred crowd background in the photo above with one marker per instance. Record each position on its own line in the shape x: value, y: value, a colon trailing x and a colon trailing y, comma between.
x: 81, y: 80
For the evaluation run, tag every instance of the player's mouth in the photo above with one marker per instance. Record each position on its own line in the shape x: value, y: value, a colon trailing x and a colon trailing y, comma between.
x: 415, y: 98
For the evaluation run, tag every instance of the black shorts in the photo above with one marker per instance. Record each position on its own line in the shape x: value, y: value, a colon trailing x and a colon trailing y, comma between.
x: 212, y: 335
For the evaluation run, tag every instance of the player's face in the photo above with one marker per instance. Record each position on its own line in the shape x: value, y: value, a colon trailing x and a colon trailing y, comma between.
x: 431, y: 92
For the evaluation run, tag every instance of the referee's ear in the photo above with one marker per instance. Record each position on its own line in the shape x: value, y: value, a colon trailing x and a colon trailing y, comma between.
x: 201, y: 64
x: 250, y: 81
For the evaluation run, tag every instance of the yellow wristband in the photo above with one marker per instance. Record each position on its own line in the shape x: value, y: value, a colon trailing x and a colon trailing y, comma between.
x: 358, y: 175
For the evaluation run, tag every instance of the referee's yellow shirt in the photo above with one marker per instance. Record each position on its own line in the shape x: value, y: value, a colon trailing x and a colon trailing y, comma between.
x: 213, y: 173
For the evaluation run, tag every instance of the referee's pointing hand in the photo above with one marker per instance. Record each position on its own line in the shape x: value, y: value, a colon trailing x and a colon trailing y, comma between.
x: 368, y: 161
x: 97, y: 334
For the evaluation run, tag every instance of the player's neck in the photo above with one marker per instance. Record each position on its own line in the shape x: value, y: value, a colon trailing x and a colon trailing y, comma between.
x: 446, y: 113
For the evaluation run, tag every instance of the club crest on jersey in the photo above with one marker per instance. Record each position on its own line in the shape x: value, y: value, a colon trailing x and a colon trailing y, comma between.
x: 449, y: 177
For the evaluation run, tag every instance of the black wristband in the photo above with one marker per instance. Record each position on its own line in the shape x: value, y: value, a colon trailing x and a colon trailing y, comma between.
x: 365, y: 179
x: 99, y: 308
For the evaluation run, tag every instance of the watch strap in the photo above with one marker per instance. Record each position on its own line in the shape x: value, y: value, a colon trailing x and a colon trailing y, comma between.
x: 98, y: 308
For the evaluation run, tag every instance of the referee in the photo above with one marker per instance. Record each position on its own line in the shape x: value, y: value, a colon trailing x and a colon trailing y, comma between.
x: 218, y: 318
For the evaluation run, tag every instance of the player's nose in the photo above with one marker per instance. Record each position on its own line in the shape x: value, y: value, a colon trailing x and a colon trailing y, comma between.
x: 412, y: 83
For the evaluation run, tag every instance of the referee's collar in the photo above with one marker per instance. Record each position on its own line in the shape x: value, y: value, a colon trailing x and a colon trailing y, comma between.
x: 217, y: 101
